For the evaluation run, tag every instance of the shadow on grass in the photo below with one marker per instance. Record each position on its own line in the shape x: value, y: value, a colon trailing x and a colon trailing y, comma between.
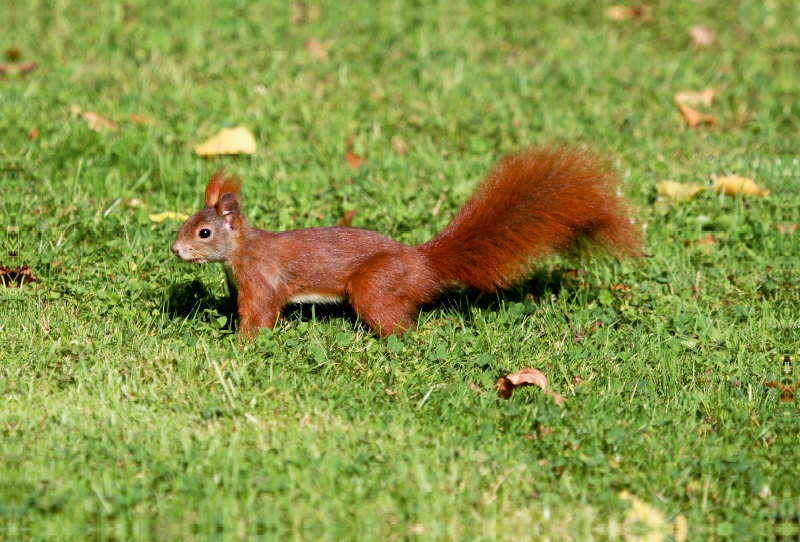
x: 329, y: 311
x: 186, y: 299
x: 537, y: 288
x: 190, y: 298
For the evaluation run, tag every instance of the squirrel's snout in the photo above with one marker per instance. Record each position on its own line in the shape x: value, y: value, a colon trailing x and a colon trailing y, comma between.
x: 175, y: 249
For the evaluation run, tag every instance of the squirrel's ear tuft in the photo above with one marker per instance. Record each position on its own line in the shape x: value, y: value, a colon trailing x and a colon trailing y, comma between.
x: 219, y: 185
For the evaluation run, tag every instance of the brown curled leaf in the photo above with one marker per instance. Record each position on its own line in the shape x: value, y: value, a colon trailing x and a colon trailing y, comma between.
x: 506, y: 385
x: 693, y: 117
x: 353, y: 160
x: 15, y: 277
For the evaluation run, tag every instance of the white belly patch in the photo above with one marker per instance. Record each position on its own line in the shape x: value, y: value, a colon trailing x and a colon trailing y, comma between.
x: 315, y: 298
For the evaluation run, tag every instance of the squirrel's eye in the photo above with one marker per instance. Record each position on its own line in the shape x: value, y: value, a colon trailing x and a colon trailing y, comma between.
x: 205, y: 233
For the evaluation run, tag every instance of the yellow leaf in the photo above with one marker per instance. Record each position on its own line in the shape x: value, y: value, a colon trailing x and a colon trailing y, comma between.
x: 639, y: 12
x: 228, y: 141
x: 733, y: 185
x: 678, y: 191
x: 620, y: 13
x: 171, y: 215
x: 692, y: 97
x: 98, y: 123
x: 644, y: 516
x: 681, y: 528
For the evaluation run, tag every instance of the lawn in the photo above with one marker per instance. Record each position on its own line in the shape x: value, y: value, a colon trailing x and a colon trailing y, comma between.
x: 130, y: 412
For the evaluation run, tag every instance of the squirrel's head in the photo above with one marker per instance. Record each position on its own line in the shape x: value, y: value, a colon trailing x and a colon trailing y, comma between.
x: 212, y: 234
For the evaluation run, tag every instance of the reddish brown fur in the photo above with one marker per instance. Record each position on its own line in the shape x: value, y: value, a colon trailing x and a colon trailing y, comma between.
x: 220, y: 184
x: 534, y: 204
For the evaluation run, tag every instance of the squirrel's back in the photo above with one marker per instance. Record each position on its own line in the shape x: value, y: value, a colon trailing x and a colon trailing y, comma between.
x: 534, y: 204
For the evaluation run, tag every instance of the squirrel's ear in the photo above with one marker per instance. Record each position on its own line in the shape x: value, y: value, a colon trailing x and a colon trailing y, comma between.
x: 219, y: 185
x: 228, y: 208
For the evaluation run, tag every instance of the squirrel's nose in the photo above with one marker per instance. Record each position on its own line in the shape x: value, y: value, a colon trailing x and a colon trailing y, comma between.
x: 175, y: 249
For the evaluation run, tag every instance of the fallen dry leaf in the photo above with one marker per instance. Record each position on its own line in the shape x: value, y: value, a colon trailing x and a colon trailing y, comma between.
x: 228, y: 141
x: 389, y: 392
x: 639, y: 12
x: 17, y: 69
x: 707, y: 240
x: 316, y: 50
x: 733, y: 185
x: 353, y: 160
x: 693, y: 117
x: 693, y: 97
x: 33, y: 134
x: 680, y: 528
x: 620, y: 13
x: 506, y: 385
x: 786, y: 391
x: 297, y: 13
x: 787, y: 229
x: 301, y: 13
x: 347, y: 218
x: 141, y: 119
x: 678, y: 191
x: 474, y: 387
x: 171, y: 215
x: 701, y: 36
x: 15, y: 277
x: 98, y: 123
x: 642, y: 515
x: 399, y: 145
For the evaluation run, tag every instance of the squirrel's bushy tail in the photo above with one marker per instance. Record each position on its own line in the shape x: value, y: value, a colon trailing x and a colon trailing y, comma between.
x: 534, y: 204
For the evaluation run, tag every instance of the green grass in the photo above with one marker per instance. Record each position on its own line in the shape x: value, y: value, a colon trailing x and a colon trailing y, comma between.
x: 129, y: 412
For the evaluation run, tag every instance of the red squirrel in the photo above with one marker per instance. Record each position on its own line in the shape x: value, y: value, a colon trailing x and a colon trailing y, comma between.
x: 534, y: 204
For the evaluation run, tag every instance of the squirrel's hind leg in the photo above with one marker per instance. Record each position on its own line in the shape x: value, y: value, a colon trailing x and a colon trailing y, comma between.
x: 382, y: 295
